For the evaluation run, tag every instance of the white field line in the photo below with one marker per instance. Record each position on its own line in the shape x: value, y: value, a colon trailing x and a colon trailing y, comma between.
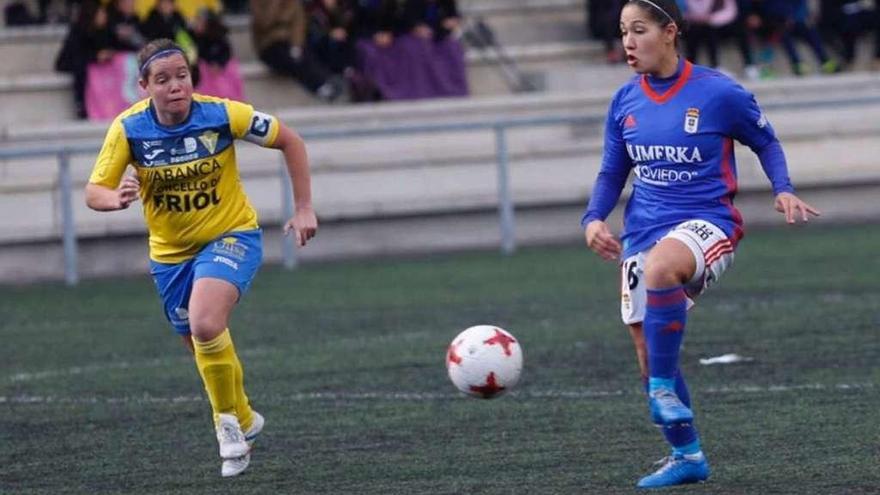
x: 88, y: 369
x: 117, y: 365
x: 358, y: 342
x: 581, y: 394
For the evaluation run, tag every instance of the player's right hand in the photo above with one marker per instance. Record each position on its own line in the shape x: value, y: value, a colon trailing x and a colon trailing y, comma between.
x: 602, y: 241
x: 128, y: 191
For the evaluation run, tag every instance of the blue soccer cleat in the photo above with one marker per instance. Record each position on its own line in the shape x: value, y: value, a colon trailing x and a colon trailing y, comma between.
x: 667, y: 408
x: 676, y: 470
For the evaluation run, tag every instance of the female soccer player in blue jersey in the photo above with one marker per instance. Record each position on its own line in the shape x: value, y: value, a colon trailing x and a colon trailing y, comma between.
x: 205, y: 243
x: 673, y: 125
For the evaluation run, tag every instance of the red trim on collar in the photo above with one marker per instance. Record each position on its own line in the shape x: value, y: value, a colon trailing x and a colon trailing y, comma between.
x: 663, y: 98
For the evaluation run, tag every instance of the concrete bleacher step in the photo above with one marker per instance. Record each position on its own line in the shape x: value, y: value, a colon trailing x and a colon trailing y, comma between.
x: 539, y: 32
x: 374, y: 177
x: 32, y: 49
x: 46, y: 98
x: 593, y: 95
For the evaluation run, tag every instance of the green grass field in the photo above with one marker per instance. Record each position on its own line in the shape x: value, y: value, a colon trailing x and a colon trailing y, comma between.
x: 346, y: 361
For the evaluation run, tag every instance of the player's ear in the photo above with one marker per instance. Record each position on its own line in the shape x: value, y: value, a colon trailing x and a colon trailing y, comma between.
x: 142, y: 82
x: 670, y: 32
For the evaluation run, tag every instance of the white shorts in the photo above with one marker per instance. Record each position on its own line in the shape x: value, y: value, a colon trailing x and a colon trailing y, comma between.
x: 712, y: 250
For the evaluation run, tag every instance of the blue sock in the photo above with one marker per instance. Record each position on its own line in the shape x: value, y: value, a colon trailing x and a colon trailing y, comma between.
x: 683, y: 438
x: 681, y: 389
x: 665, y: 318
x: 687, y: 449
x: 664, y: 324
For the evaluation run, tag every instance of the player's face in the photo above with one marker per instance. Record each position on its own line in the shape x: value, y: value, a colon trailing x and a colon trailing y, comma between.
x: 647, y: 44
x: 169, y: 84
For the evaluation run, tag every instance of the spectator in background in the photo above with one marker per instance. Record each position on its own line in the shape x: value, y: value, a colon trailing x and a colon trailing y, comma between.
x: 375, y: 28
x: 329, y: 34
x: 844, y: 21
x: 743, y: 31
x: 279, y: 28
x: 790, y: 19
x: 425, y: 60
x: 88, y: 40
x: 124, y: 26
x: 603, y: 19
x: 713, y: 21
x: 189, y: 9
x: 431, y: 49
x: 331, y: 40
x: 376, y: 20
x: 705, y: 20
x: 165, y: 21
x: 212, y: 40
x: 17, y: 13
x: 219, y: 70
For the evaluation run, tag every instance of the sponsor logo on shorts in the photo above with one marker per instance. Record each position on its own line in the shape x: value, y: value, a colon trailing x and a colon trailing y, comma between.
x: 701, y: 229
x: 182, y: 314
x: 229, y: 246
x: 226, y: 261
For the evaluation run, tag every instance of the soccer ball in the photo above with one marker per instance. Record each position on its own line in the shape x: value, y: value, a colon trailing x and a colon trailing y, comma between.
x: 484, y: 361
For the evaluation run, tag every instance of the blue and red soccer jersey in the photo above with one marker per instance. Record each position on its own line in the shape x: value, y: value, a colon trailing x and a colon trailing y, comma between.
x: 676, y: 135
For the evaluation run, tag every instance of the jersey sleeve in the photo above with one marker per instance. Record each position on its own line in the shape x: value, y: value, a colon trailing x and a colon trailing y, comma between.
x: 616, y: 166
x: 748, y: 123
x: 114, y: 156
x: 751, y: 127
x: 252, y: 125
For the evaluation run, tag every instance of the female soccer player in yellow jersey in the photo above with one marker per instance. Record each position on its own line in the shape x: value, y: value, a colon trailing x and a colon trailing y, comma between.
x: 205, y: 243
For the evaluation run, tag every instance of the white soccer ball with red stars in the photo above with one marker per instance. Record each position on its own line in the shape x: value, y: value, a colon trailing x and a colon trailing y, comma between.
x: 484, y: 361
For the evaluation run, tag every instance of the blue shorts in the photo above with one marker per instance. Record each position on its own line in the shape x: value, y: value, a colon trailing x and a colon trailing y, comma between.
x: 233, y: 257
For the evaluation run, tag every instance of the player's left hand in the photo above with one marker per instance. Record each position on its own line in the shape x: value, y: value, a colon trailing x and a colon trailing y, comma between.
x: 794, y: 208
x: 304, y: 225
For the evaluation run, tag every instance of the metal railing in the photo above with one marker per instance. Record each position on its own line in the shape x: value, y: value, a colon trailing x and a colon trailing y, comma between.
x: 500, y: 127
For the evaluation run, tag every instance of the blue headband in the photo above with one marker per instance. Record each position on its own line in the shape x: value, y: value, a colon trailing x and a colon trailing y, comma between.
x: 160, y: 54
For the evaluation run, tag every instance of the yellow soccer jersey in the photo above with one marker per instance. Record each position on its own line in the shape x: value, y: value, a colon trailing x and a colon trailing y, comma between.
x: 190, y: 185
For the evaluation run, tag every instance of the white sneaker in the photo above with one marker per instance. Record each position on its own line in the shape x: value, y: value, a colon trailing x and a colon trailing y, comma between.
x: 230, y: 437
x: 234, y: 467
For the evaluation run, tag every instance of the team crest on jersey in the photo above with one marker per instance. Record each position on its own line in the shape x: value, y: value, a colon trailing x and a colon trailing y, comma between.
x: 691, y: 120
x: 209, y: 140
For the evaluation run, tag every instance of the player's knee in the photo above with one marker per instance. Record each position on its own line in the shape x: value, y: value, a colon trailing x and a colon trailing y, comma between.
x: 664, y: 271
x: 205, y: 327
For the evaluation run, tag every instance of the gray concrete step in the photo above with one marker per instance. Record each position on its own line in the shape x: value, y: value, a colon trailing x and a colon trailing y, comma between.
x: 600, y: 83
x: 46, y: 98
x: 32, y: 50
x: 376, y: 177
